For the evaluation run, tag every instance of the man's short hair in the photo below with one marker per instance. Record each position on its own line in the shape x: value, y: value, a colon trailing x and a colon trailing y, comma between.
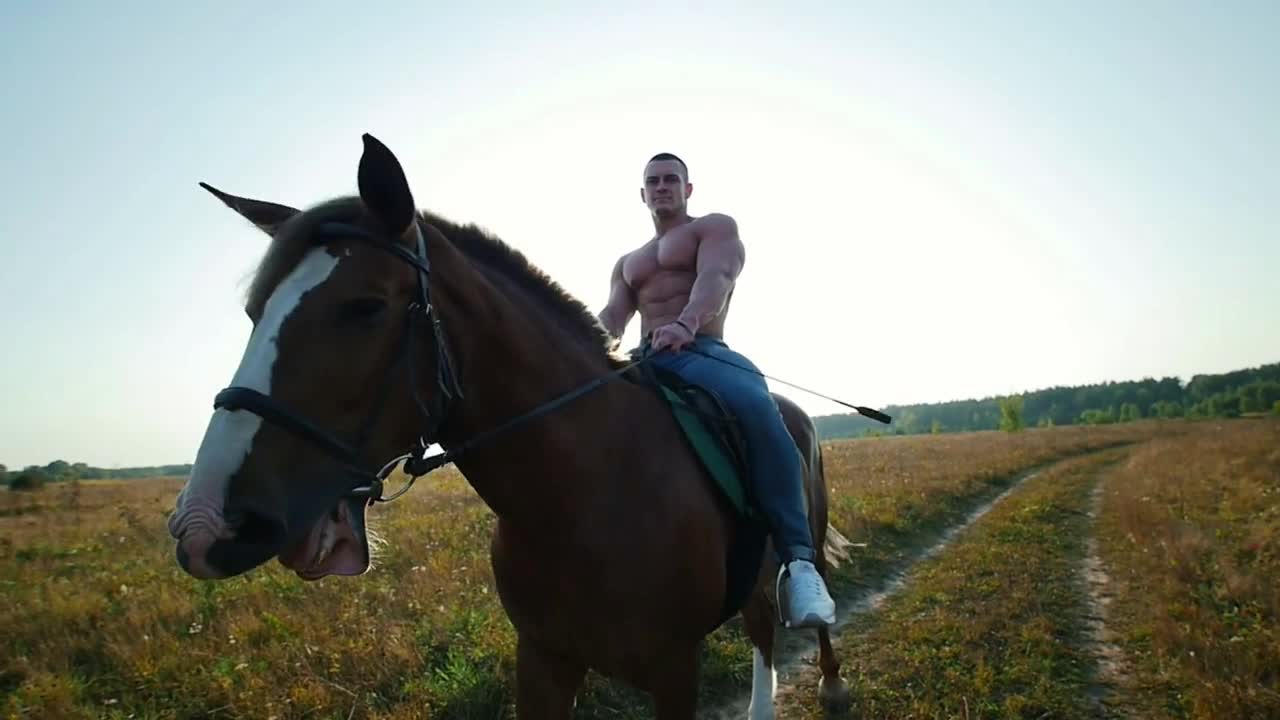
x: 672, y: 156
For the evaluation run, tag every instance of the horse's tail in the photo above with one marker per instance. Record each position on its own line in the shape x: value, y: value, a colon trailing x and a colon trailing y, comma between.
x: 836, y: 547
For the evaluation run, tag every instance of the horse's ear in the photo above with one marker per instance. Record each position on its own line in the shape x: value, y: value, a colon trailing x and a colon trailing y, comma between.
x: 268, y: 216
x: 384, y: 188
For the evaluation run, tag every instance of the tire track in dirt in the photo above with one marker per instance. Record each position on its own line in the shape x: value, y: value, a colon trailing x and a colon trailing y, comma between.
x: 1111, y: 670
x: 795, y: 651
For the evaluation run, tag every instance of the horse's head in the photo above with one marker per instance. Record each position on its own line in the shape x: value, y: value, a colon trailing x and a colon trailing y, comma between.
x: 321, y: 397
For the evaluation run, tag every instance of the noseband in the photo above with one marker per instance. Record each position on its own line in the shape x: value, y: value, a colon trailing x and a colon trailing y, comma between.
x: 416, y: 462
x: 434, y: 411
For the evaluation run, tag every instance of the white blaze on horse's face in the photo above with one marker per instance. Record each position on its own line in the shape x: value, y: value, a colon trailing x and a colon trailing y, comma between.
x: 229, y: 436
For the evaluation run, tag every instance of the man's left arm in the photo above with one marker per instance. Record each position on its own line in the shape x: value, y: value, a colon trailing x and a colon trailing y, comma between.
x: 721, y: 256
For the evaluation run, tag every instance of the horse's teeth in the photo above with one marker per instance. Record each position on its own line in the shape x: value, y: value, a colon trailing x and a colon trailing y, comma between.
x: 328, y: 539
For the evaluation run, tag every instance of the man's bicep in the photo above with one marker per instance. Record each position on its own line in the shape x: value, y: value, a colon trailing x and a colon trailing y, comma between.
x: 720, y: 250
x: 621, y: 304
x: 621, y: 297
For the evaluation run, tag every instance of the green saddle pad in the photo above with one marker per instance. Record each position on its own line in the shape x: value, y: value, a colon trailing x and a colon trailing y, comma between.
x: 710, y: 431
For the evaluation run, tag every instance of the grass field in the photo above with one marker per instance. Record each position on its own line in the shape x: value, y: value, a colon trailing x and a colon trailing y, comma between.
x: 1190, y: 534
x: 993, y: 626
x: 96, y: 620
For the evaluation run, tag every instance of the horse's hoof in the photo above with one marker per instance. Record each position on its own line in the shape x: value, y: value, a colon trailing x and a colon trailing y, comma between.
x: 834, y: 695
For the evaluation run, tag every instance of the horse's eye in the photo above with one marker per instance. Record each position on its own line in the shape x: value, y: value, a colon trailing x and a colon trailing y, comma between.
x: 363, y: 309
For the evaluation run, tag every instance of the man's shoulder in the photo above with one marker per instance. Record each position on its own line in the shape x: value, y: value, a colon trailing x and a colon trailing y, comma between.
x: 717, y: 226
x: 714, y: 218
x: 625, y: 258
x: 622, y: 260
x: 717, y: 223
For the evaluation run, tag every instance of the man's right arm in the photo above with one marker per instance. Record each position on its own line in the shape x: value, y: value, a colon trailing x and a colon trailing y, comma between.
x: 622, y: 303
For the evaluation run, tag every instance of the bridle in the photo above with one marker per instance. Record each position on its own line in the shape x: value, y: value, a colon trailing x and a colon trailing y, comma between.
x: 416, y: 462
x: 447, y: 389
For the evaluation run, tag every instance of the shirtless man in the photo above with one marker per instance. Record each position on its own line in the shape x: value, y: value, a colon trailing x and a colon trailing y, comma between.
x: 681, y: 282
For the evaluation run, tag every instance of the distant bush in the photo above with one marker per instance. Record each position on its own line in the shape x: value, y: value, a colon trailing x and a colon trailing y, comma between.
x: 1098, y: 417
x: 1011, y: 413
x: 27, y: 481
x: 1129, y: 412
x: 1164, y: 409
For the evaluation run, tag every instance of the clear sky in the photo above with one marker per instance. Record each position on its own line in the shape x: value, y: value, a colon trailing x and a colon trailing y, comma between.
x: 938, y: 201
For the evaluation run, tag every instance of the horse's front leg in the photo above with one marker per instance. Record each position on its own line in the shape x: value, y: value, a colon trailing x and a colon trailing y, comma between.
x: 546, y: 684
x: 675, y: 686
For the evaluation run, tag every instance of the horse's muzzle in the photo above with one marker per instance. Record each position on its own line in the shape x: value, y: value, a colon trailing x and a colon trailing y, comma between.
x: 257, y: 538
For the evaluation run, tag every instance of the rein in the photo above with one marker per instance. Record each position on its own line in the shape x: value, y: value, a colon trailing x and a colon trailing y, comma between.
x: 418, y: 465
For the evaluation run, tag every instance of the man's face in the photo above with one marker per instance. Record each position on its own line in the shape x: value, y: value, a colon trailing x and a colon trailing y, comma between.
x: 665, y: 188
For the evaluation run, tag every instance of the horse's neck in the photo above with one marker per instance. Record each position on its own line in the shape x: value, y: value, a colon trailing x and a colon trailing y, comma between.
x: 511, y: 357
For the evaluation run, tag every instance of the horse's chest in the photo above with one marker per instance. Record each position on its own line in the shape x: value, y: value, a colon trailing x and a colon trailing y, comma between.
x: 535, y: 587
x: 563, y: 601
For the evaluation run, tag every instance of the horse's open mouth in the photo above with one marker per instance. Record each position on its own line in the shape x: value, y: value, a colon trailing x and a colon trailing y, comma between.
x: 336, y: 545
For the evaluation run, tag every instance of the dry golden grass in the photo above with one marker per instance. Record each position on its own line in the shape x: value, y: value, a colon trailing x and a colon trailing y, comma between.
x: 96, y: 619
x: 1190, y: 533
x: 895, y: 493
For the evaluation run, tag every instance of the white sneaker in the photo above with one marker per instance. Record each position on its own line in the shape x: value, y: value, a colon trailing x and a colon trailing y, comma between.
x: 804, y: 601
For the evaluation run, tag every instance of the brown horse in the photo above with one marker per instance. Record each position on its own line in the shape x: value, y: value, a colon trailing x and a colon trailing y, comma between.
x: 378, y: 327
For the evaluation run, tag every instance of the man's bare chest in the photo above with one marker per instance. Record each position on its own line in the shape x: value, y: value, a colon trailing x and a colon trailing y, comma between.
x: 677, y: 251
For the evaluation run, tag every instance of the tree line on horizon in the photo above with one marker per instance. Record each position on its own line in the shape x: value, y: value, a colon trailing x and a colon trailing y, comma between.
x: 1224, y: 395
x: 34, y: 476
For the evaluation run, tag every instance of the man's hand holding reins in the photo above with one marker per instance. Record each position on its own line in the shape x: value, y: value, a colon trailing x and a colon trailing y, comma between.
x: 674, y: 336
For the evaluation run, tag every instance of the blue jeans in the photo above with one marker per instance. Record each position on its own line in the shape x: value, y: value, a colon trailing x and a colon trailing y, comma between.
x: 775, y: 475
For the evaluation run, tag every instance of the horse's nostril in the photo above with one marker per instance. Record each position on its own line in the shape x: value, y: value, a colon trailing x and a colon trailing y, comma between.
x: 253, y: 527
x: 256, y: 536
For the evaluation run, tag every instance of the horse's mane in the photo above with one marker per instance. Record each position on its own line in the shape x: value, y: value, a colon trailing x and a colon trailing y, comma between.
x: 295, y: 238
x: 490, y: 251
